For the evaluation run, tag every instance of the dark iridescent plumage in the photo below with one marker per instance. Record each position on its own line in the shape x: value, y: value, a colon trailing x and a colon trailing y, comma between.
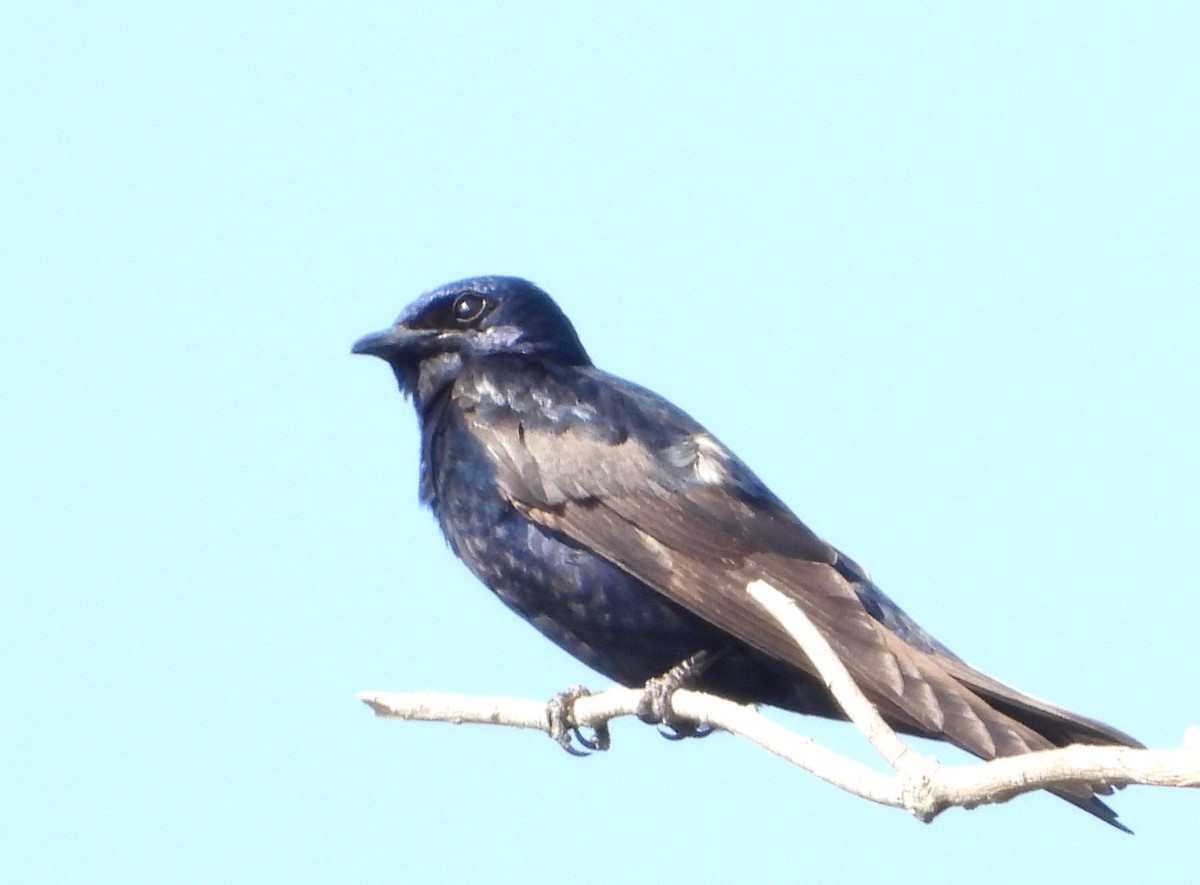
x: 626, y: 533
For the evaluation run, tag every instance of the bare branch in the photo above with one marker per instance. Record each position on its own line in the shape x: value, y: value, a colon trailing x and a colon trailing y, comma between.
x: 923, y: 794
x: 597, y: 709
x: 922, y: 786
x: 836, y: 677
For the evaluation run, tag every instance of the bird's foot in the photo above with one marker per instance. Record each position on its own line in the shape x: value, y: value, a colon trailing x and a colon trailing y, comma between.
x: 655, y: 706
x: 565, y: 732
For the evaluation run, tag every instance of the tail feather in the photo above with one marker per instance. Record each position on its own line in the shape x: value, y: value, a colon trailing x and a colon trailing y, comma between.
x: 1043, y: 725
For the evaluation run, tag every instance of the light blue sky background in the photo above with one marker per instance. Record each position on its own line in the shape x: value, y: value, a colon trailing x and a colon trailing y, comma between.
x: 931, y: 269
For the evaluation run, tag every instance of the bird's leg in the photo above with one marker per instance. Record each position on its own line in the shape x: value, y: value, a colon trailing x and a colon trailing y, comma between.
x: 655, y: 706
x: 565, y: 732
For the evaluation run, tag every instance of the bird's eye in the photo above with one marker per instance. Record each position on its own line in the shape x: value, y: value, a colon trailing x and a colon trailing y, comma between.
x: 468, y: 307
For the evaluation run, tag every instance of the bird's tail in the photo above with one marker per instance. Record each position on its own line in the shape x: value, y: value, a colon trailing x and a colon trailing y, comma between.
x: 1041, y: 725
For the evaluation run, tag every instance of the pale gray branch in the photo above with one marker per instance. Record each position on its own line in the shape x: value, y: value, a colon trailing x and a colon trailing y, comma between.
x: 923, y: 792
x: 922, y: 786
x: 836, y: 677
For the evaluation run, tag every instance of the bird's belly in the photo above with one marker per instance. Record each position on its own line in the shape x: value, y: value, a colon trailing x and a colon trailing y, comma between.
x: 594, y: 610
x: 608, y: 619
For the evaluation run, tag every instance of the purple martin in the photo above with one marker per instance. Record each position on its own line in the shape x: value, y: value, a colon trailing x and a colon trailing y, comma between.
x: 626, y: 533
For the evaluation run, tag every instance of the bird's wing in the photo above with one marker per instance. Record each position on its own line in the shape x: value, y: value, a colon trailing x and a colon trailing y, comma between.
x: 620, y: 471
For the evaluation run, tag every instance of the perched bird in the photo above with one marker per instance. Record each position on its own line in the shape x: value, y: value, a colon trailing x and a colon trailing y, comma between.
x: 626, y: 533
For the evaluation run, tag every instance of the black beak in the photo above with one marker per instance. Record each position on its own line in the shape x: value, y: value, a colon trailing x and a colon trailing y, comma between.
x: 391, y: 342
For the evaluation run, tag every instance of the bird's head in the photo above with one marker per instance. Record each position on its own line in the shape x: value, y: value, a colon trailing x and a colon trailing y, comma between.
x: 442, y: 330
